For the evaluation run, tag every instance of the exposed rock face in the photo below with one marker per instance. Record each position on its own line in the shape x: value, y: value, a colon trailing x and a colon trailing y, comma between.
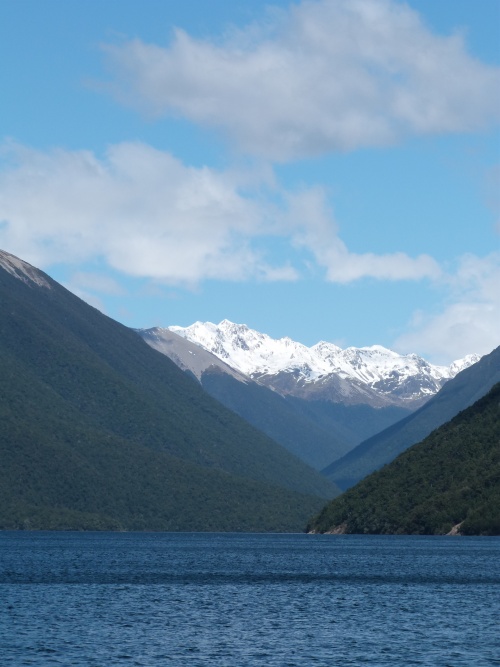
x: 188, y: 356
x: 456, y: 529
x: 22, y: 270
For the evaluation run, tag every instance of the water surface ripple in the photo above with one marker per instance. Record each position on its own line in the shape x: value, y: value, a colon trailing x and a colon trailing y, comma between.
x: 244, y: 600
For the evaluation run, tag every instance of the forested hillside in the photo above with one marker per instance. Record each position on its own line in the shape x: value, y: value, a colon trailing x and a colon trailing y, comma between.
x: 449, y: 481
x: 457, y: 394
x: 100, y: 431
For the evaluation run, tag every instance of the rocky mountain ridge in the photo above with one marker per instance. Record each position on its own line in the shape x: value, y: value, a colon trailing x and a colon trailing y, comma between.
x: 318, y: 432
x: 372, y: 375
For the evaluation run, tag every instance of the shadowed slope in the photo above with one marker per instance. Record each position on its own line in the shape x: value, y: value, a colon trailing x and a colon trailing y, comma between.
x: 457, y: 394
x: 94, y: 422
x: 451, y: 480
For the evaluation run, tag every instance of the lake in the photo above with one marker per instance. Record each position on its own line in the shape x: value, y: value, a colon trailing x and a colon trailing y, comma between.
x: 248, y: 600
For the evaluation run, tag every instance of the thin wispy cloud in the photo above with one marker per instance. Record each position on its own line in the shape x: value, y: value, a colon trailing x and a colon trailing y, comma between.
x: 318, y: 232
x: 469, y: 319
x: 321, y: 76
x: 96, y: 282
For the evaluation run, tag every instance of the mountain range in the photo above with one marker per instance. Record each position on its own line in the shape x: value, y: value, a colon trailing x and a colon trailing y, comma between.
x: 459, y: 393
x: 372, y: 375
x: 98, y: 430
x: 316, y: 430
x: 319, y: 402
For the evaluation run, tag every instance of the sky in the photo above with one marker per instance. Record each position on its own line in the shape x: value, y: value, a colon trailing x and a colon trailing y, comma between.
x: 318, y: 169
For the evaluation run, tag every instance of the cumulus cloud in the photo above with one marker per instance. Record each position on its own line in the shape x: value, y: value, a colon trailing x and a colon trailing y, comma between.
x: 324, y: 75
x: 139, y: 209
x: 144, y: 213
x: 469, y: 321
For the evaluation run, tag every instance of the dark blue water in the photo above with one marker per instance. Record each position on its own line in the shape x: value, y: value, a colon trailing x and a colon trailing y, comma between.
x: 106, y: 599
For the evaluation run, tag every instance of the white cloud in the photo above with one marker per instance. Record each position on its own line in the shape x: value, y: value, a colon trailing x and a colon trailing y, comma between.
x: 317, y: 231
x: 139, y: 209
x: 144, y: 213
x: 470, y: 320
x: 325, y: 75
x: 96, y: 282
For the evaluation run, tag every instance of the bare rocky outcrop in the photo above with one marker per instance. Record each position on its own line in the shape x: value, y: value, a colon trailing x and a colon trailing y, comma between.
x: 341, y: 529
x: 22, y: 270
x: 456, y: 529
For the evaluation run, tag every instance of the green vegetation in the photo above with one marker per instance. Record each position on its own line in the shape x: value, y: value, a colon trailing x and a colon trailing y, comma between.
x: 457, y: 394
x: 99, y: 431
x: 451, y: 478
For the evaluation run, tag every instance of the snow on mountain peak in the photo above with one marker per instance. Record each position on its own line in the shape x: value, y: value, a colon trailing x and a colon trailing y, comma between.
x: 257, y: 354
x: 245, y: 349
x: 460, y: 364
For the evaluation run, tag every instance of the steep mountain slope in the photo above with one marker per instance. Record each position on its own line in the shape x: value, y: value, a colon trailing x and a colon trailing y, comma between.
x: 451, y: 480
x: 188, y: 356
x: 372, y: 375
x: 100, y: 430
x: 457, y: 394
x: 315, y: 431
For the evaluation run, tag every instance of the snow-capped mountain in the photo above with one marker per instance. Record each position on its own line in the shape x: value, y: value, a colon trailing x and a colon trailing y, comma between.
x: 373, y: 375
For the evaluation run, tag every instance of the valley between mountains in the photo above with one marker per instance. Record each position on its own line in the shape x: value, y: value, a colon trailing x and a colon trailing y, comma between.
x: 319, y: 402
x: 208, y: 427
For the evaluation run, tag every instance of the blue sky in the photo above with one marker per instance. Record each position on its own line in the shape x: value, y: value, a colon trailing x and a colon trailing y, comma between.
x: 324, y: 170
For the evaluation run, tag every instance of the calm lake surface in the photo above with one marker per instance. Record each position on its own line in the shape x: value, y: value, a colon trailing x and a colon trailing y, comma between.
x: 238, y: 600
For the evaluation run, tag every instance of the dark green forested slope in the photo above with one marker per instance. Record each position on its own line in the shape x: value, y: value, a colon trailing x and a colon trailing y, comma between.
x: 58, y: 472
x: 457, y: 394
x: 97, y: 429
x: 452, y: 477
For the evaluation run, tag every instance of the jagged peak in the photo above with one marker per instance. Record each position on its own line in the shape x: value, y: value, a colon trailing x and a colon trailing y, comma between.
x: 380, y: 349
x: 257, y: 354
x: 227, y: 324
x: 325, y: 343
x: 465, y: 362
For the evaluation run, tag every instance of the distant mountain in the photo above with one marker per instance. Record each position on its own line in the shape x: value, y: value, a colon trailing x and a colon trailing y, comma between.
x: 315, y: 431
x: 450, y: 482
x: 98, y: 430
x: 373, y: 375
x: 462, y: 391
x: 188, y: 356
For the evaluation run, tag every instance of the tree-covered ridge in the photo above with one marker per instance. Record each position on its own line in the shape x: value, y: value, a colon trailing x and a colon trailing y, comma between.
x: 98, y: 430
x: 457, y: 394
x: 451, y: 479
